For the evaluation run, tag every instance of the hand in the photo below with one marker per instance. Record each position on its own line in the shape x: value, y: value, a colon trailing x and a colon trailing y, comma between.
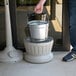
x: 39, y: 8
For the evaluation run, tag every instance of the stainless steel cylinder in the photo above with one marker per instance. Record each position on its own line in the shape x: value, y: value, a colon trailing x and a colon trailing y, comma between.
x: 38, y: 30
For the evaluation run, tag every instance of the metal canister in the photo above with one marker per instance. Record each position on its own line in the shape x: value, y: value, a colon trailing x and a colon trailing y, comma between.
x: 38, y: 30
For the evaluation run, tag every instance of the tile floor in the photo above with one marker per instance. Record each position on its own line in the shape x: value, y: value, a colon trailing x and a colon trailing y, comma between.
x: 54, y: 68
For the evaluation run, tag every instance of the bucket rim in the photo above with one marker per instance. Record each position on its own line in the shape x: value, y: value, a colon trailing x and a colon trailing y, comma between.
x: 40, y: 23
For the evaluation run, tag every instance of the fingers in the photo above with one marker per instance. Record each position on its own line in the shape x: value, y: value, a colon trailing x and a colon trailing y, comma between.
x: 38, y: 9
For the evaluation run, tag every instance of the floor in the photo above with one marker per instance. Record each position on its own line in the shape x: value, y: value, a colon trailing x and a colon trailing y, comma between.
x: 54, y: 68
